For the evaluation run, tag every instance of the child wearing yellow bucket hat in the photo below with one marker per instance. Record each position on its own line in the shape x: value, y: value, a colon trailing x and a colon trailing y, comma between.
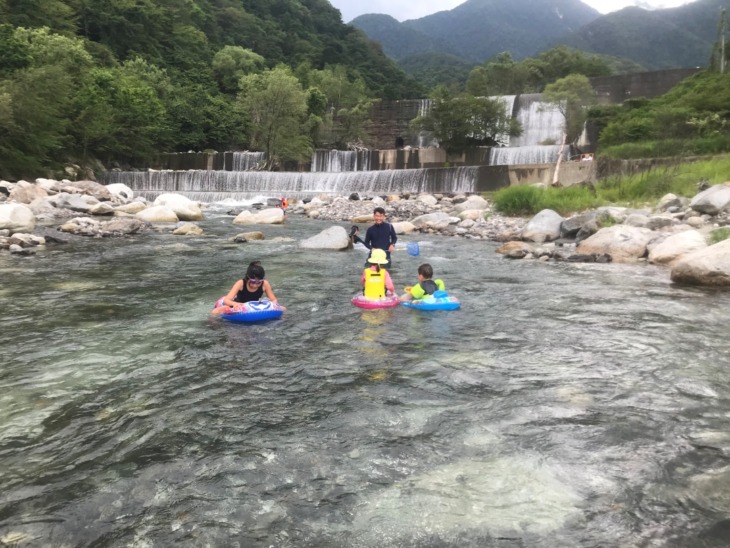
x: 375, y: 279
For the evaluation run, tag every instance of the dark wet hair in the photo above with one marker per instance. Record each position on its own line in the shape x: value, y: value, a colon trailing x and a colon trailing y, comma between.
x: 255, y: 270
x: 379, y: 210
x: 426, y: 270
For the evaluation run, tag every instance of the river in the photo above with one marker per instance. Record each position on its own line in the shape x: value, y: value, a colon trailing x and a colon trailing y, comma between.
x: 564, y: 405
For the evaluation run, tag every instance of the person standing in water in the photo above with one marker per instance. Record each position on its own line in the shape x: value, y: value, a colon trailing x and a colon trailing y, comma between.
x: 380, y: 235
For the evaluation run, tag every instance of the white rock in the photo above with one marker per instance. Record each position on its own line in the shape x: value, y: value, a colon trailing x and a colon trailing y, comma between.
x: 16, y: 218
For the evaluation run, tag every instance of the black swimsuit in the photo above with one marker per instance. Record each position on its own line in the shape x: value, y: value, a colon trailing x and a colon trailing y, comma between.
x: 246, y: 296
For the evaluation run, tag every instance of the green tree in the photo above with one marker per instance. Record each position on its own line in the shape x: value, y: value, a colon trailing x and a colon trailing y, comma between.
x: 36, y: 101
x: 348, y: 104
x: 461, y: 121
x: 118, y: 116
x: 572, y: 95
x: 233, y: 62
x: 276, y: 106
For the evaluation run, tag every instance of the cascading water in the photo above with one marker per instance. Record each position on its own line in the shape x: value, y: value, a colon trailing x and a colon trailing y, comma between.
x: 537, y: 154
x: 334, y: 161
x: 542, y: 123
x: 246, y: 161
x: 213, y: 186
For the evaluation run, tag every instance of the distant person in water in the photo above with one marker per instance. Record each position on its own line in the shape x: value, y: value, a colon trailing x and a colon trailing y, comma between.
x: 252, y: 287
x: 425, y: 286
x: 381, y: 235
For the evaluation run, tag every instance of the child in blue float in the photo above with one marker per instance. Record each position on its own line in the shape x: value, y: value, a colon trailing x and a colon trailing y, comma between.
x: 251, y: 288
x: 425, y: 286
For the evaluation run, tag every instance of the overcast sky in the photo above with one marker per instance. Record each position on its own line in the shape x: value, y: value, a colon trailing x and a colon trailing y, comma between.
x: 413, y: 9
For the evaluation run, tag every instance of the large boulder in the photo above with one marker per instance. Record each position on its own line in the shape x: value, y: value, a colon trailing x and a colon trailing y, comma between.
x: 188, y: 229
x: 90, y: 188
x: 272, y: 216
x: 81, y: 203
x: 543, y: 227
x: 707, y: 267
x: 16, y: 218
x: 131, y: 208
x: 24, y: 192
x: 404, y: 227
x: 184, y: 208
x: 675, y: 246
x: 436, y: 221
x: 157, y: 214
x: 623, y: 243
x: 121, y: 191
x: 335, y: 237
x: 472, y: 202
x: 713, y: 200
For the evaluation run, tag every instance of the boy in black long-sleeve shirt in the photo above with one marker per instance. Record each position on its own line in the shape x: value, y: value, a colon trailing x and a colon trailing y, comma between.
x: 381, y: 235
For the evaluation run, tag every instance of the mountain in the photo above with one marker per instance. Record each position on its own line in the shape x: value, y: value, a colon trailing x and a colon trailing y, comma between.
x: 668, y: 38
x: 479, y: 29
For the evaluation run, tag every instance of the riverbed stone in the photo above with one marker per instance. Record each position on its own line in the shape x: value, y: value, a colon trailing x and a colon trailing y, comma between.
x: 90, y: 188
x: 24, y: 192
x: 675, y: 246
x: 404, y: 227
x: 434, y: 221
x: 472, y: 202
x: 119, y: 190
x: 623, y: 243
x: 543, y: 227
x: 713, y: 200
x: 334, y: 237
x: 184, y: 207
x: 249, y: 236
x: 707, y: 267
x: 16, y: 217
x: 271, y: 216
x: 131, y: 208
x: 157, y: 214
x: 188, y: 229
x: 362, y: 218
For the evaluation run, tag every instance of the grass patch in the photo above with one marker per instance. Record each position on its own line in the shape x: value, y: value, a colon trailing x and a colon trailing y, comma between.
x: 679, y: 179
x: 528, y: 200
x: 667, y: 148
x: 719, y: 235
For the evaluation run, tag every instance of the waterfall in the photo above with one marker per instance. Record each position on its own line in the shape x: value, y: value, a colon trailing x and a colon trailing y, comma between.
x: 335, y: 161
x: 215, y: 186
x: 542, y: 123
x: 245, y: 160
x: 537, y: 154
x: 509, y: 105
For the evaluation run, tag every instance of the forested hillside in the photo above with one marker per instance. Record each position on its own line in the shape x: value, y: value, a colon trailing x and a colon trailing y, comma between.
x: 111, y: 79
x: 668, y: 38
x: 479, y: 29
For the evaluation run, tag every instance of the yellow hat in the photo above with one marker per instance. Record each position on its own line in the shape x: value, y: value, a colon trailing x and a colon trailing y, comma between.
x: 378, y: 256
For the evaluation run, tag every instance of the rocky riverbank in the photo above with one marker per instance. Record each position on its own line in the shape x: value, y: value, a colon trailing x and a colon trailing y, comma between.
x: 677, y: 232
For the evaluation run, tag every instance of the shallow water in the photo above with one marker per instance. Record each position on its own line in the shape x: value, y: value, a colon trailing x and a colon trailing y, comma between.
x: 563, y: 405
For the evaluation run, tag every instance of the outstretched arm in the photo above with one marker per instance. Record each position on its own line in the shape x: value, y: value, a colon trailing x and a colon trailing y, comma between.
x: 228, y: 299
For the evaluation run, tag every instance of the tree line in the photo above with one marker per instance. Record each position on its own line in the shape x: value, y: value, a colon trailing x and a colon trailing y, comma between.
x: 111, y: 80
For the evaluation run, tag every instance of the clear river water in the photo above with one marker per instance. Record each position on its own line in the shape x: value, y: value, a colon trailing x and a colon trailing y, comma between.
x: 564, y: 405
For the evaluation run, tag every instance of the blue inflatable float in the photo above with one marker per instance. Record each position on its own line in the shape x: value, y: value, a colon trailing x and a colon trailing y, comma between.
x: 255, y: 311
x: 440, y: 300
